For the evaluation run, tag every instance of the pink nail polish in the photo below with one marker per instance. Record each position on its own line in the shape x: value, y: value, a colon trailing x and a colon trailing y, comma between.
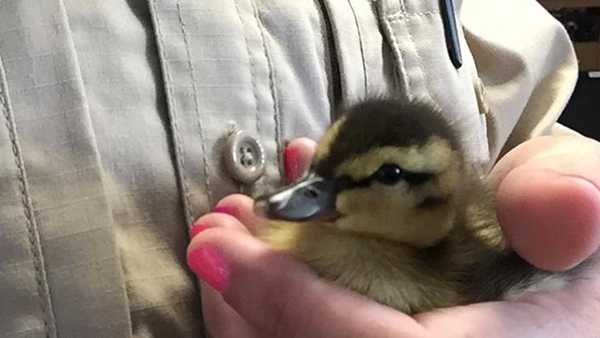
x: 224, y: 209
x: 197, y: 228
x: 291, y: 165
x: 210, y: 266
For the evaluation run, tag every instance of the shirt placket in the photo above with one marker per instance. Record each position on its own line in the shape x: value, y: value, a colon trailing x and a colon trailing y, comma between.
x: 218, y: 85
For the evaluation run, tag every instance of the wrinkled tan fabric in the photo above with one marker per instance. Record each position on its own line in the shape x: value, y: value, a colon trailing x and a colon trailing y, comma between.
x: 114, y: 113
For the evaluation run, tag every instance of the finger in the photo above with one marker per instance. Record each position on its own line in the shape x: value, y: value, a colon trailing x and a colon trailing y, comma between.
x: 242, y: 208
x: 282, y: 301
x: 576, y: 155
x: 281, y: 297
x: 221, y: 320
x: 503, y: 320
x: 567, y: 312
x: 548, y: 200
x: 216, y: 219
x: 551, y: 220
x: 297, y: 157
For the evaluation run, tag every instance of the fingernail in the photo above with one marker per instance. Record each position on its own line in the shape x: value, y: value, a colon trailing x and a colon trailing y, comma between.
x: 224, y: 209
x: 209, y: 265
x: 197, y: 228
x: 291, y: 163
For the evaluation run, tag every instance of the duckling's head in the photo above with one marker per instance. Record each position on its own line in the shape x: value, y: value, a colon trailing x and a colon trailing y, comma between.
x: 384, y: 169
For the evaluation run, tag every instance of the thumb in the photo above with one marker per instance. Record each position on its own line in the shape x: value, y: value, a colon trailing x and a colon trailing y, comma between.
x: 297, y: 157
x: 548, y: 200
x: 283, y: 298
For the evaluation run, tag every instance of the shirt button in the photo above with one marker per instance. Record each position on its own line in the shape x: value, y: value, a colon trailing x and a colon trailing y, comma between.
x: 244, y: 157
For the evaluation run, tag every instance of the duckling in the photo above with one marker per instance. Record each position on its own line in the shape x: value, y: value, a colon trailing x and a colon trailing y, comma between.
x: 392, y: 209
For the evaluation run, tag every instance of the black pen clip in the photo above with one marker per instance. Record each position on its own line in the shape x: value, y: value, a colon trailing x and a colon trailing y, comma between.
x: 451, y: 32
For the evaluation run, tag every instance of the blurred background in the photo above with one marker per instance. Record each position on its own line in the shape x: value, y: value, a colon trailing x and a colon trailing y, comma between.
x: 581, y: 18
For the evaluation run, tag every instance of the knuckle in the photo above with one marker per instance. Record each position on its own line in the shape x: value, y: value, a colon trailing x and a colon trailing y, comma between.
x: 232, y: 200
x: 219, y: 220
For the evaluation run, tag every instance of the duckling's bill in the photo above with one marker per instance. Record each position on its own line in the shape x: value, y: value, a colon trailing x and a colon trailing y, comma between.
x: 312, y: 198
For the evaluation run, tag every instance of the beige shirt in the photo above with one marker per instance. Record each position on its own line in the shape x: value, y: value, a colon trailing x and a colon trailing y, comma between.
x: 114, y: 116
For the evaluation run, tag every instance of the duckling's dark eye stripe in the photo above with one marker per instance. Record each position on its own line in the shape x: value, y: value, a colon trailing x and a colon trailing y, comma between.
x: 346, y: 182
x: 417, y: 178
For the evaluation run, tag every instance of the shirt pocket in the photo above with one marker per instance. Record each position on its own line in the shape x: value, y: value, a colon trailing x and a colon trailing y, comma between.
x: 415, y: 33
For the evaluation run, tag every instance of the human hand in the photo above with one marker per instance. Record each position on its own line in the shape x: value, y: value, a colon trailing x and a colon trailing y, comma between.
x: 548, y: 197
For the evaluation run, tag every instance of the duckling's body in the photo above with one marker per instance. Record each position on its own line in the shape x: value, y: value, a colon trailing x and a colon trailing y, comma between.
x: 408, y: 223
x: 406, y: 278
x: 385, y: 271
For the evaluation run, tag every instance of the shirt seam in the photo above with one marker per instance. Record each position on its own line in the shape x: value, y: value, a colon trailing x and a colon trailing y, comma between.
x: 272, y: 78
x: 172, y: 115
x: 398, y: 17
x: 404, y: 15
x: 359, y: 34
x: 188, y: 52
x: 401, y: 73
x: 419, y: 60
x: 33, y: 235
x: 252, y: 64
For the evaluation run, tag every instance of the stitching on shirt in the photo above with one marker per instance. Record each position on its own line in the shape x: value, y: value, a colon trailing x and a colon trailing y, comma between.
x: 411, y: 40
x: 197, y: 105
x: 173, y: 116
x: 252, y: 70
x: 32, y: 230
x: 272, y: 75
x: 409, y: 16
x: 325, y: 66
x: 489, y: 133
x: 419, y: 63
x: 362, y: 47
x: 401, y: 74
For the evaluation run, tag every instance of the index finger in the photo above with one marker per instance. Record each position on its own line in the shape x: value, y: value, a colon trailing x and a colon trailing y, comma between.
x: 283, y: 298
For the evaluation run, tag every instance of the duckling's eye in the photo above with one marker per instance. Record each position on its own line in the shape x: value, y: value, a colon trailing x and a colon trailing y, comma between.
x: 389, y: 174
